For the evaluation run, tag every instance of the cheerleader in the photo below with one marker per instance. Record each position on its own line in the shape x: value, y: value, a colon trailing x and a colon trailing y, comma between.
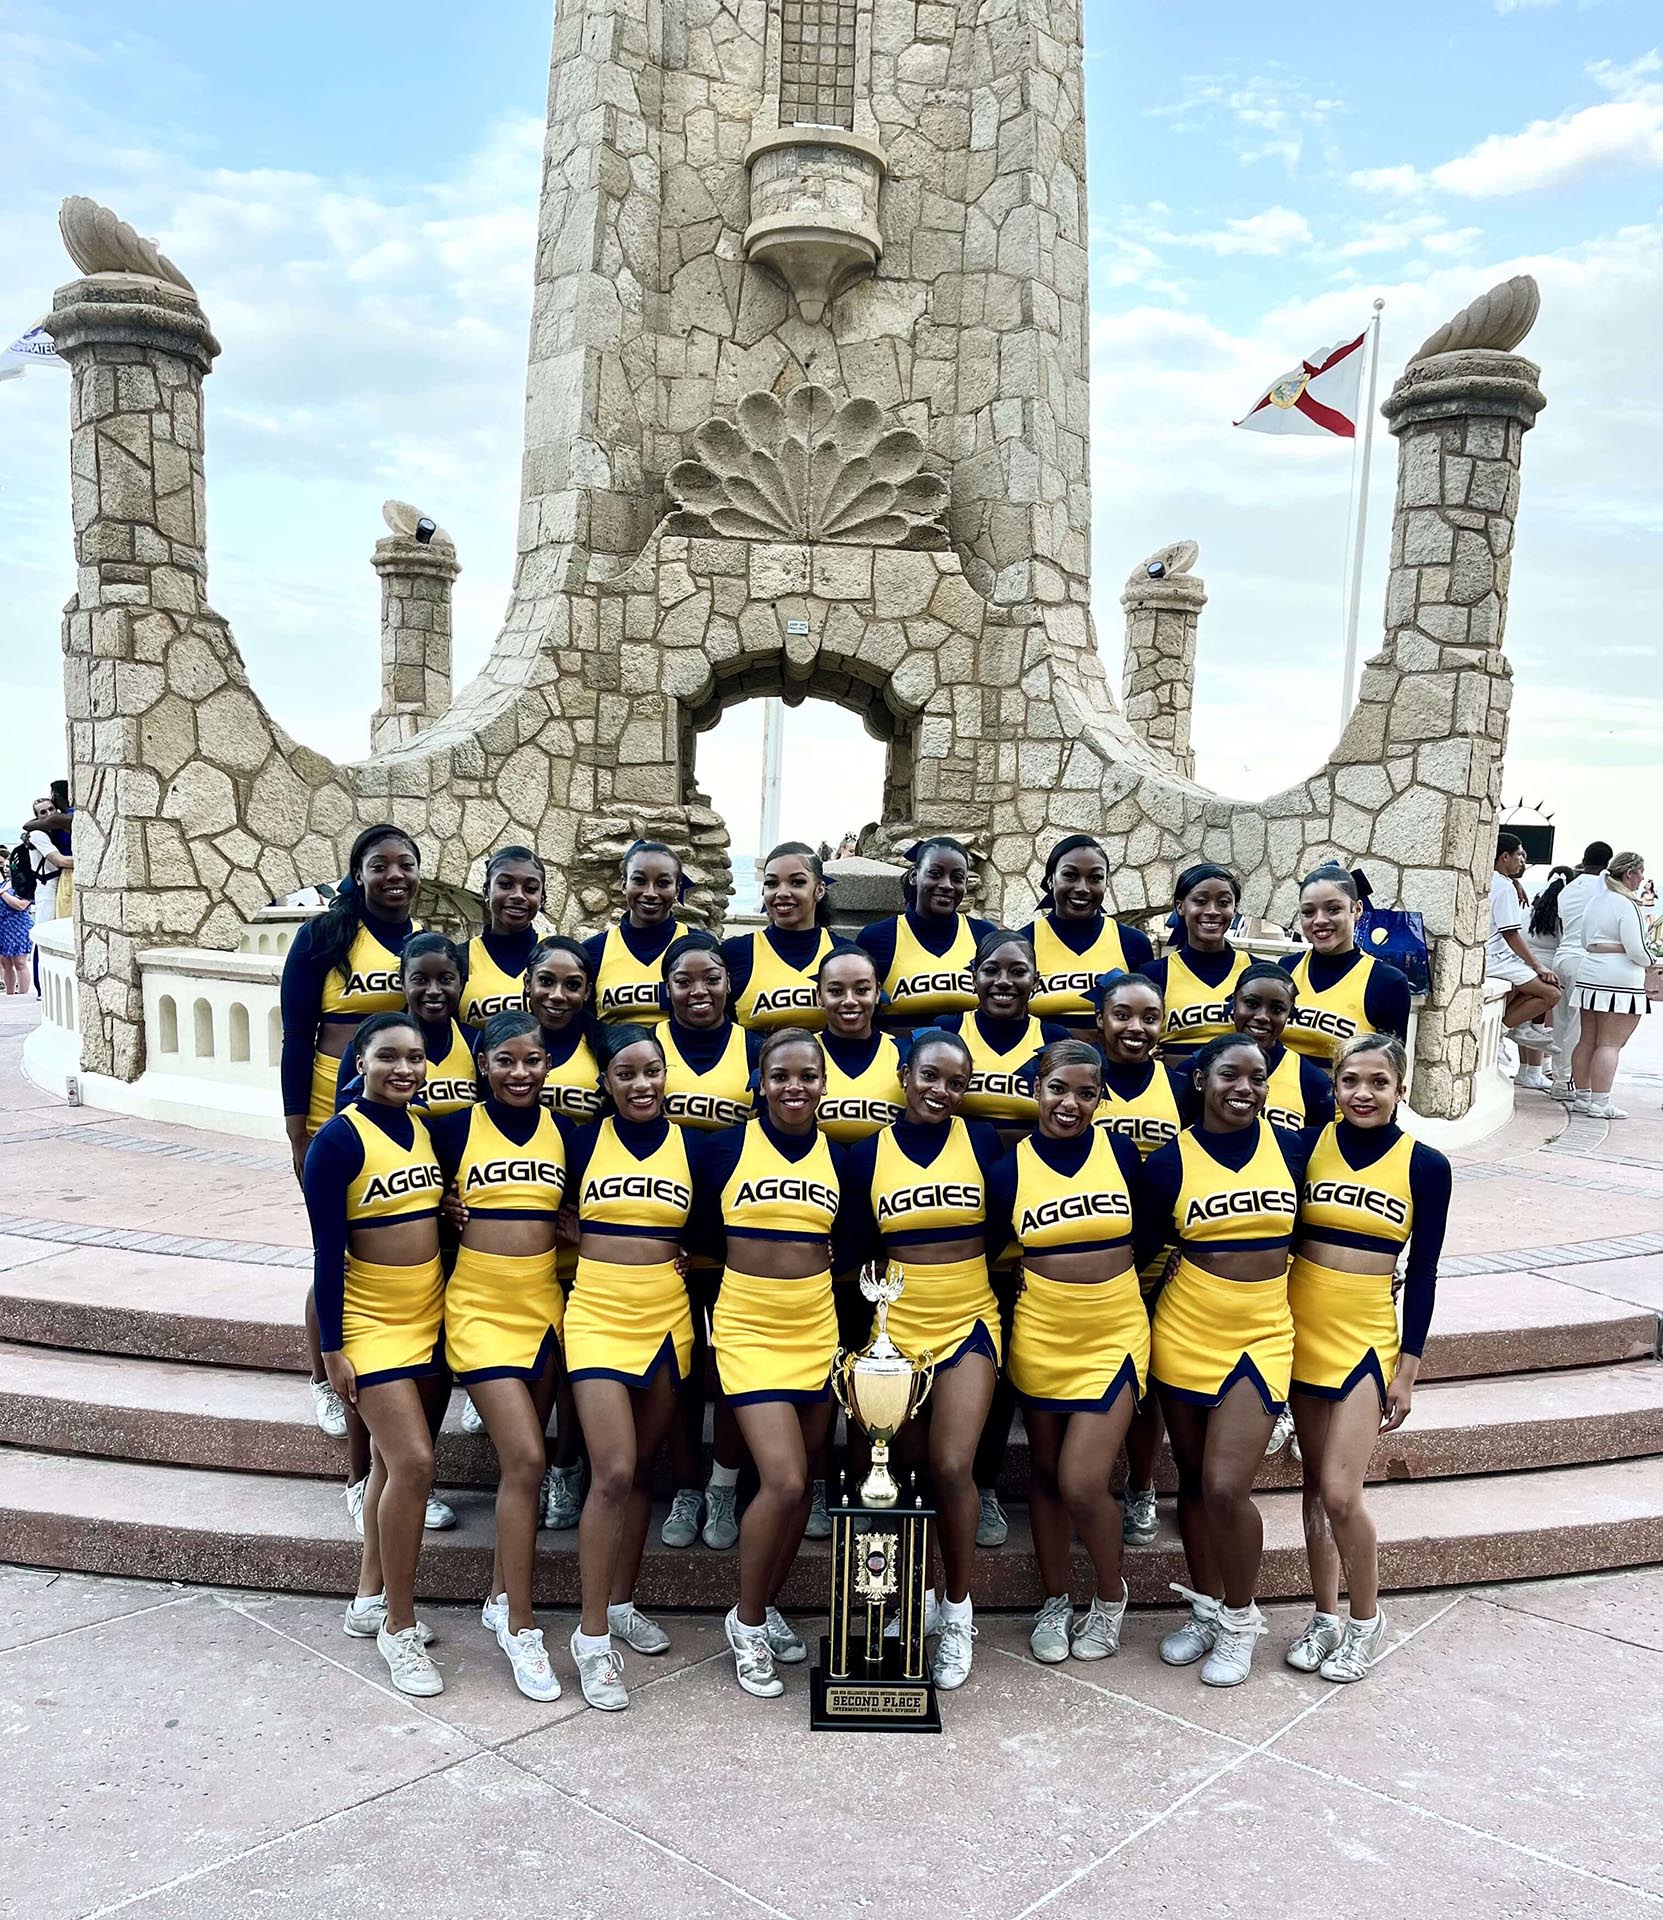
x: 430, y: 975
x: 772, y: 1191
x: 625, y: 962
x: 495, y: 963
x: 1298, y: 1092
x: 1074, y: 940
x: 372, y: 1187
x: 1342, y: 990
x: 505, y: 1165
x: 921, y: 1190
x: 629, y: 1340
x: 1079, y: 1347
x: 1367, y: 1191
x: 1222, y: 1348
x: 707, y: 1085
x: 340, y: 968
x: 557, y: 983
x: 925, y: 955
x: 1142, y: 1100
x: 862, y: 1095
x: 773, y: 970
x: 1196, y: 977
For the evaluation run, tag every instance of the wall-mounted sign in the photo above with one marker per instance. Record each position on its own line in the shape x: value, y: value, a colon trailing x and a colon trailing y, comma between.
x: 797, y: 626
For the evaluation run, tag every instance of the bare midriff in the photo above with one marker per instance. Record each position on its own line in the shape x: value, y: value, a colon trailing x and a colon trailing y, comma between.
x: 1084, y: 1269
x: 401, y: 1243
x: 1363, y: 1260
x: 803, y: 1259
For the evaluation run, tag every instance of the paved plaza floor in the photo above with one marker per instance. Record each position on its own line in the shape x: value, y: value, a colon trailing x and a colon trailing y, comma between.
x: 180, y: 1751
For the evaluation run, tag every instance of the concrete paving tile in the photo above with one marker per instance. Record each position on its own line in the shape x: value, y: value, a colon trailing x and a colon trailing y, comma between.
x: 1248, y: 1713
x: 36, y: 1604
x: 1270, y: 1839
x: 1638, y: 1278
x: 1623, y: 1606
x: 16, y: 1251
x: 153, y: 1745
x: 1024, y: 1783
x: 480, y: 1698
x: 480, y: 1838
x: 1557, y: 1743
x: 1495, y: 1216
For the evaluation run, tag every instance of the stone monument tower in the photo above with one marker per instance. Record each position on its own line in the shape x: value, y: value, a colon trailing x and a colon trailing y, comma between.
x: 806, y: 413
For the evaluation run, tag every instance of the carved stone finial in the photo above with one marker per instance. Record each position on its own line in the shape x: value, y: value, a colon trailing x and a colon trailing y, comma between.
x: 403, y: 519
x: 99, y: 241
x: 1498, y: 320
x: 810, y: 470
x: 1172, y: 561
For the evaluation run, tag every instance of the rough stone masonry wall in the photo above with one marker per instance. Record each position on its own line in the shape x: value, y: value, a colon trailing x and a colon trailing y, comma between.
x: 416, y: 582
x: 970, y: 649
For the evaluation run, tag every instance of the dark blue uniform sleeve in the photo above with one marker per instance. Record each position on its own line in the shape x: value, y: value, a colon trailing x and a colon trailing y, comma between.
x: 348, y: 1081
x: 711, y: 1159
x: 580, y: 1144
x: 1155, y: 970
x: 1429, y: 1189
x: 878, y: 939
x: 449, y: 1132
x: 1386, y: 1001
x: 1050, y: 1030
x: 592, y: 947
x: 1130, y: 1162
x: 857, y: 1239
x: 333, y: 1160
x: 1138, y: 947
x: 1316, y: 1090
x: 1001, y: 1200
x: 1152, y: 1226
x: 300, y: 998
x: 1296, y: 1150
x: 985, y: 1143
x: 739, y: 953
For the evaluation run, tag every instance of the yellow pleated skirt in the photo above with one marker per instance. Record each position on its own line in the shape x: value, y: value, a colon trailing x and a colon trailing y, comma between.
x: 1344, y: 1327
x: 502, y: 1315
x: 946, y: 1311
x: 393, y: 1320
x: 624, y: 1323
x: 1075, y: 1345
x: 320, y: 1105
x: 1209, y: 1333
x: 774, y: 1339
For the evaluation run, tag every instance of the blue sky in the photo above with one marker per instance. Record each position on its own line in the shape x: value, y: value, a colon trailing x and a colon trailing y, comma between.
x: 353, y: 190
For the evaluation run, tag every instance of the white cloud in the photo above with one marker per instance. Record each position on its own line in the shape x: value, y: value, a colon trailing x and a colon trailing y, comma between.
x: 1404, y: 182
x: 1275, y: 230
x: 1271, y: 115
x: 1522, y: 6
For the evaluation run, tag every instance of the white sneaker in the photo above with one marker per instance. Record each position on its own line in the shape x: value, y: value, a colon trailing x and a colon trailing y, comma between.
x: 633, y: 1627
x: 1280, y: 1434
x: 438, y: 1516
x: 1598, y: 1106
x: 1532, y: 1034
x: 1355, y: 1657
x: 819, y: 1520
x: 529, y: 1658
x: 951, y: 1667
x: 563, y: 1490
x: 366, y: 1616
x: 1232, y: 1656
x: 1531, y: 1078
x: 721, y: 1518
x: 784, y: 1641
x: 354, y: 1497
x: 681, y: 1523
x: 1186, y: 1644
x: 1563, y: 1092
x: 1097, y: 1636
x: 994, y: 1524
x: 328, y: 1409
x: 753, y: 1658
x: 601, y: 1675
x: 473, y: 1421
x: 1323, y: 1633
x: 1140, y: 1524
x: 407, y: 1662
x: 493, y: 1615
x: 1049, y: 1639
x: 932, y: 1619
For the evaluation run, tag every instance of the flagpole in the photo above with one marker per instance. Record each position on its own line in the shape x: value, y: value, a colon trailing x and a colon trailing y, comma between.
x: 773, y: 745
x: 1349, y: 681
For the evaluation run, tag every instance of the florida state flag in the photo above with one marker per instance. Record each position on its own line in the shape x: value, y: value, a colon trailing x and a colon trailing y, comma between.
x: 1319, y: 396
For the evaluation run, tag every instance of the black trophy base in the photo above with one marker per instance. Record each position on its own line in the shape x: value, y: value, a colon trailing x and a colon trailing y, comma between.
x: 872, y: 1699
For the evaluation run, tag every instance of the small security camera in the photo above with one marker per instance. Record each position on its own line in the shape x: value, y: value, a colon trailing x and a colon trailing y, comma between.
x: 425, y: 530
x: 1156, y: 569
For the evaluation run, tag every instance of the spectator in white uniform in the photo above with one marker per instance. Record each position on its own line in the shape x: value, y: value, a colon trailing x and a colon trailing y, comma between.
x: 1570, y: 903
x: 1611, y: 985
x: 1534, y: 988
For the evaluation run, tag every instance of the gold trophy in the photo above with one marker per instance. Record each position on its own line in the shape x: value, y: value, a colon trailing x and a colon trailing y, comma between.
x: 880, y: 1556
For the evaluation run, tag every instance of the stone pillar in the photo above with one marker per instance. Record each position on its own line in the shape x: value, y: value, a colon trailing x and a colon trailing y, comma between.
x: 416, y: 582
x: 138, y: 347
x: 1163, y: 602
x: 1460, y: 412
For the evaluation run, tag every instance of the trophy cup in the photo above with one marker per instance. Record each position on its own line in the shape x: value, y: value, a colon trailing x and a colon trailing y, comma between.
x: 880, y: 1547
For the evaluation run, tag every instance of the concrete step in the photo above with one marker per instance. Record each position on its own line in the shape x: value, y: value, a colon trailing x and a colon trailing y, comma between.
x: 248, y: 1421
x: 178, y: 1523
x: 237, y: 1314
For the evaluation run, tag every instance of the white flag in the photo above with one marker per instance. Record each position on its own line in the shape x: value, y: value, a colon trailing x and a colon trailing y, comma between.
x: 1319, y: 396
x: 31, y: 349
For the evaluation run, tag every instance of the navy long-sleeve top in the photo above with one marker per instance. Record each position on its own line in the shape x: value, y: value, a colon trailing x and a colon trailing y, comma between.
x: 713, y: 1158
x: 1163, y: 1174
x: 1065, y: 1158
x: 934, y: 932
x: 300, y: 999
x: 349, y: 1082
x: 796, y: 946
x: 922, y: 1143
x: 1386, y: 994
x: 333, y: 1161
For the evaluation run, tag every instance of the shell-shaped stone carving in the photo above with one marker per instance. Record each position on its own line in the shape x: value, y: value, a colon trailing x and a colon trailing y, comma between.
x: 809, y: 469
x: 402, y: 519
x: 1498, y: 319
x: 100, y: 241
x: 1179, y: 558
